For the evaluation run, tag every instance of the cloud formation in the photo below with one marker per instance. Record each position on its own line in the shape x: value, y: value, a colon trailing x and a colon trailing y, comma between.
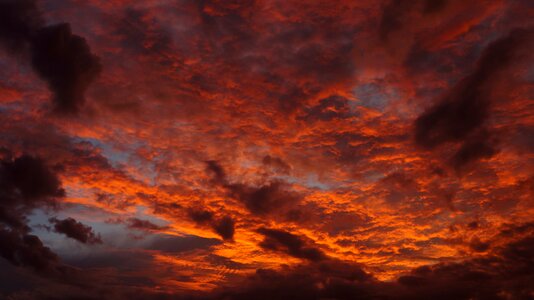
x: 76, y: 230
x: 63, y: 60
x: 26, y: 183
x: 461, y: 115
x: 266, y: 149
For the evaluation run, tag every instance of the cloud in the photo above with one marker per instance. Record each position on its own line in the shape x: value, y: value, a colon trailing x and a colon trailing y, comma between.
x: 223, y: 226
x: 293, y: 245
x: 26, y: 182
x: 76, y: 230
x: 62, y: 59
x: 264, y: 199
x: 391, y: 16
x: 214, y: 168
x: 176, y: 244
x: 259, y: 200
x: 504, y: 272
x: 19, y: 19
x: 26, y: 250
x: 278, y: 92
x: 138, y: 224
x: 324, y: 280
x: 66, y: 63
x: 328, y: 109
x: 277, y: 164
x: 461, y: 115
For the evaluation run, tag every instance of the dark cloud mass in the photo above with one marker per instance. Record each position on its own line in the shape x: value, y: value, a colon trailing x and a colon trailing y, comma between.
x: 26, y: 183
x: 76, y: 230
x: 66, y: 63
x: 264, y: 199
x: 273, y: 196
x: 26, y: 250
x: 223, y: 226
x: 19, y: 19
x: 505, y: 273
x: 279, y: 240
x: 63, y: 60
x: 462, y: 114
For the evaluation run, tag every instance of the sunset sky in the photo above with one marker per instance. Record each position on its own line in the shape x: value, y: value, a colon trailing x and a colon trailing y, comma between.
x: 270, y: 149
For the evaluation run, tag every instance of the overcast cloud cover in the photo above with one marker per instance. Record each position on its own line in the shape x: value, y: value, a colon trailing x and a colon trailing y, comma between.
x: 266, y: 149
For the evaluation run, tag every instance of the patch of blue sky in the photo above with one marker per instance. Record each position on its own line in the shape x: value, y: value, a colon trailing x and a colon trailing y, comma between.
x: 311, y: 181
x: 59, y: 243
x: 114, y: 156
x: 373, y: 95
x: 114, y: 235
x: 124, y: 156
x: 140, y: 213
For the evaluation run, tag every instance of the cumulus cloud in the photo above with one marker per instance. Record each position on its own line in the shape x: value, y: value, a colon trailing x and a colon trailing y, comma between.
x: 62, y: 59
x: 26, y: 183
x: 76, y: 230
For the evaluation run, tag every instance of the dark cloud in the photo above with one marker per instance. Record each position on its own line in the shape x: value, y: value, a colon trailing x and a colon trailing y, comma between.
x: 217, y: 171
x: 479, y: 246
x: 433, y: 6
x: 259, y: 200
x: 323, y: 280
x: 476, y: 148
x: 26, y: 250
x: 509, y: 274
x: 138, y: 224
x: 66, y: 63
x: 293, y: 245
x: 201, y: 216
x: 505, y: 273
x: 462, y: 114
x: 223, y: 226
x: 392, y: 16
x: 264, y: 199
x: 174, y: 244
x: 62, y: 59
x: 19, y: 19
x: 26, y: 182
x: 76, y: 230
x: 512, y: 230
x: 473, y: 225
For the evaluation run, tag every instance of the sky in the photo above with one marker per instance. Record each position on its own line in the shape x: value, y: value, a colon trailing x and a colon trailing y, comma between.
x: 266, y: 149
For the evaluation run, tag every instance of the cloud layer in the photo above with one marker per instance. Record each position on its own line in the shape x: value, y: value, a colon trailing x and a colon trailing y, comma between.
x: 266, y: 149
